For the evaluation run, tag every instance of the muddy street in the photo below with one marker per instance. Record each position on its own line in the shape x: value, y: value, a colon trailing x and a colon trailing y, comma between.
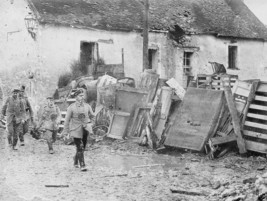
x: 121, y: 170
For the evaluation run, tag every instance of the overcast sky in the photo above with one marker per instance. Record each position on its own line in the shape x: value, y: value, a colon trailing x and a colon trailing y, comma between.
x: 259, y: 8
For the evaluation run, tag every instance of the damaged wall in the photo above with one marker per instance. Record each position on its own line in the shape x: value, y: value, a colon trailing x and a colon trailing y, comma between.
x: 60, y: 46
x: 251, y: 61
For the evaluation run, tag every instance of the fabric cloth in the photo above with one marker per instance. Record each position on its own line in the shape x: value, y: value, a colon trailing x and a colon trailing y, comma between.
x: 15, y: 131
x: 27, y: 106
x: 50, y: 117
x: 78, y: 117
x: 14, y: 110
x: 79, y: 156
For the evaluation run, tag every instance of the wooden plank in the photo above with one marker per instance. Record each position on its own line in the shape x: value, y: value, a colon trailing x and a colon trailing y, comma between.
x: 261, y: 98
x: 256, y: 125
x: 262, y: 87
x: 258, y: 107
x: 256, y: 146
x: 250, y: 98
x: 255, y: 134
x: 222, y: 140
x: 235, y: 120
x: 257, y: 116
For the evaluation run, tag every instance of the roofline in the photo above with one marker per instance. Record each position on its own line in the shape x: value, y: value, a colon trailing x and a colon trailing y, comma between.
x: 33, y: 8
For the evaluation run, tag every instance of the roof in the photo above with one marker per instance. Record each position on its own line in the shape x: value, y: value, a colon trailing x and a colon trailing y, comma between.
x: 220, y: 17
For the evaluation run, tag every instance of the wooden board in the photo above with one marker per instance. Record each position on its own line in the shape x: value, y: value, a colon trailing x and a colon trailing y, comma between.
x: 127, y: 98
x: 149, y: 82
x: 196, y: 119
x: 166, y: 97
x: 118, y: 125
x: 235, y: 120
x: 255, y: 124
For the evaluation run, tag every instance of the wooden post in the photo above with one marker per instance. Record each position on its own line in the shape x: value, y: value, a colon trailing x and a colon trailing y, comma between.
x: 235, y: 120
x: 122, y: 57
x: 145, y: 36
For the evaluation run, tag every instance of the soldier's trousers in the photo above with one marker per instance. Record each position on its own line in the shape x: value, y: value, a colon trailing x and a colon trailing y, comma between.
x: 79, y: 156
x: 15, y: 131
x: 50, y: 137
x: 26, y: 127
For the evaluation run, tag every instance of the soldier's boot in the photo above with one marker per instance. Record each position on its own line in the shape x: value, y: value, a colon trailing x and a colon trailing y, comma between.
x: 75, y: 160
x: 50, y: 146
x: 81, y: 161
x: 21, y: 138
x: 14, y: 145
x: 9, y: 138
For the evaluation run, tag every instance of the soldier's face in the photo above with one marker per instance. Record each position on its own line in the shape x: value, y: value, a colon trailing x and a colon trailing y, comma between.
x: 15, y: 94
x: 80, y: 98
x: 50, y: 102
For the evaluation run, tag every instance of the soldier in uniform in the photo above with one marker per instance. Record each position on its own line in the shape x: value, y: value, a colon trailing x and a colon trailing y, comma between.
x: 77, y: 124
x: 13, y: 109
x: 49, y: 121
x: 28, y: 112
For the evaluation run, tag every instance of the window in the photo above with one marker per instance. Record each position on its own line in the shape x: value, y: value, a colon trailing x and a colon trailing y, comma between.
x: 232, y: 57
x: 152, y: 59
x: 88, y: 55
x: 187, y: 60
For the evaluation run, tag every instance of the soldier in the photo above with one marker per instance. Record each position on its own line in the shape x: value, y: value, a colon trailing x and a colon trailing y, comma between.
x: 77, y: 123
x: 13, y: 109
x: 49, y: 121
x: 28, y: 112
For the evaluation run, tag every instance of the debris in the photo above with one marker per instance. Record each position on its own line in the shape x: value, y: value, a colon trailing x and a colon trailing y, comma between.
x: 143, y: 166
x: 116, y: 175
x: 178, y: 89
x: 261, y: 167
x: 228, y: 192
x: 186, y: 192
x: 57, y: 186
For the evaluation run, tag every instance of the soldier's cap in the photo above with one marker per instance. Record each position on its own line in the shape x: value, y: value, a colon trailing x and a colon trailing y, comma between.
x: 50, y: 97
x: 22, y: 88
x: 15, y: 90
x: 76, y: 93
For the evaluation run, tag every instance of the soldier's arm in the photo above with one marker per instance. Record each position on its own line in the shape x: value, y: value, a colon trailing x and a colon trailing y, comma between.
x: 91, y: 114
x: 66, y: 129
x: 3, y: 112
x: 30, y: 107
x: 58, y: 114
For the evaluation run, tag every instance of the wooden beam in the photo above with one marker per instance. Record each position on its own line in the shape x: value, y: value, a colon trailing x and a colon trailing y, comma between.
x: 222, y: 140
x: 145, y: 35
x: 235, y: 120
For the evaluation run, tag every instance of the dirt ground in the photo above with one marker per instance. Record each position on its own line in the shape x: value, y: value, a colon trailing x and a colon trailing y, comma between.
x: 123, y: 170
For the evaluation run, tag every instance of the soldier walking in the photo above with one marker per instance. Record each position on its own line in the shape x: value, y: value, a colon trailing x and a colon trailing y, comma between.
x: 77, y: 124
x: 49, y: 122
x: 13, y: 110
x: 28, y: 112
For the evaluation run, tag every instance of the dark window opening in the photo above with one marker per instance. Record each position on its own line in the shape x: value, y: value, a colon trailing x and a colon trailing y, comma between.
x: 187, y: 60
x: 232, y: 57
x: 88, y: 56
x: 152, y: 59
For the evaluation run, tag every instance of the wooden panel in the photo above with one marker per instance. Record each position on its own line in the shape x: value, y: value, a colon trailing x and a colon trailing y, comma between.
x: 261, y: 98
x: 256, y: 146
x: 257, y: 116
x: 262, y: 87
x: 127, y: 98
x: 196, y: 120
x: 258, y: 107
x: 235, y: 120
x: 256, y: 125
x: 255, y: 134
x: 118, y: 124
x: 222, y: 140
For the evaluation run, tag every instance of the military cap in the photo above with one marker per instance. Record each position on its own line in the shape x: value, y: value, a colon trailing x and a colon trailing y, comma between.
x: 15, y: 90
x: 76, y: 93
x: 22, y: 88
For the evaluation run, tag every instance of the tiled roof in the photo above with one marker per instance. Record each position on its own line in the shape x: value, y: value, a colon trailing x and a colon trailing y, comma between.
x: 221, y: 17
